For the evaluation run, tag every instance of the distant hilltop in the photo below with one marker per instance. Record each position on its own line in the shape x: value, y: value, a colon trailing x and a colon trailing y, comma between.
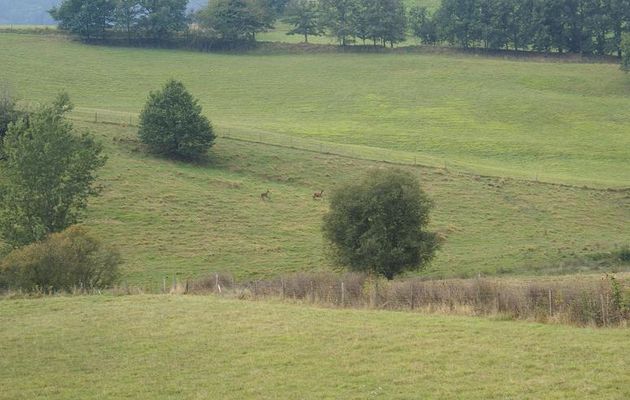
x: 35, y: 12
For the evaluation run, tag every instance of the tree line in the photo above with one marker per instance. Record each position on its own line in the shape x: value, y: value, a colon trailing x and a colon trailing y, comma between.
x: 577, y: 26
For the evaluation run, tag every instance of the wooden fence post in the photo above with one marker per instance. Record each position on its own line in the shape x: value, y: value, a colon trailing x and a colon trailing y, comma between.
x: 343, y: 294
x: 550, y: 304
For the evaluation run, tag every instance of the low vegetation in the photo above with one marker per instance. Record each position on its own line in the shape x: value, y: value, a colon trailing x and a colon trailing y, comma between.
x: 574, y: 300
x: 66, y: 261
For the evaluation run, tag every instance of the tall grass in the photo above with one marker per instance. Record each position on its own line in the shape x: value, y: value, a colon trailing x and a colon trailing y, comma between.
x: 573, y: 301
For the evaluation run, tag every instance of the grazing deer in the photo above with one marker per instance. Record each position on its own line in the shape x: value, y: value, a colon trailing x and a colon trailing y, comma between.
x: 266, y: 195
x: 318, y: 195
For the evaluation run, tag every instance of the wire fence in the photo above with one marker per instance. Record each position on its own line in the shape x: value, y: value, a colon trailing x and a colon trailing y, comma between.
x: 355, y: 151
x: 581, y: 302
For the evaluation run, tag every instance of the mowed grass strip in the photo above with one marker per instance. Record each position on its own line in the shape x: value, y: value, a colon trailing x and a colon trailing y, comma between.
x: 556, y: 121
x: 172, y: 218
x: 164, y: 347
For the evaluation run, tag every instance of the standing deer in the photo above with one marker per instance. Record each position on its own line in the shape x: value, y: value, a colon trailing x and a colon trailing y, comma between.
x: 266, y: 195
x: 318, y: 195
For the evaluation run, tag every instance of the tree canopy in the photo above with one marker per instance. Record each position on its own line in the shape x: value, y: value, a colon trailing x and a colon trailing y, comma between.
x: 172, y: 124
x: 49, y: 174
x: 378, y: 224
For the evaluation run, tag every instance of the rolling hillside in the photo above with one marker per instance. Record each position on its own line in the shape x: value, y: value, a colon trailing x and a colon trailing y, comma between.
x: 554, y: 122
x: 173, y: 218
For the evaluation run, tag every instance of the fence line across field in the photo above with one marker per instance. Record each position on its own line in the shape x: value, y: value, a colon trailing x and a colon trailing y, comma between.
x: 593, y: 301
x: 358, y: 152
x: 354, y: 151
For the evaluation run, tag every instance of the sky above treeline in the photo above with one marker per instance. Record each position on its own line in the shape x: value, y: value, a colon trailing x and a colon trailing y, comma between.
x: 35, y: 12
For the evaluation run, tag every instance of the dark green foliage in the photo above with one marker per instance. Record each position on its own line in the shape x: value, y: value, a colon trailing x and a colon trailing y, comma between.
x: 577, y: 26
x: 422, y: 25
x: 62, y: 261
x: 162, y: 18
x: 338, y: 18
x: 378, y: 225
x: 234, y: 20
x: 8, y: 111
x: 86, y: 18
x: 128, y: 16
x: 625, y: 52
x: 304, y: 15
x: 49, y: 173
x: 171, y: 124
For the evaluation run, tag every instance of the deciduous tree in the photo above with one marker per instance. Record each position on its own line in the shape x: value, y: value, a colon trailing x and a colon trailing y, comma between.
x: 379, y: 224
x: 171, y: 123
x: 49, y: 173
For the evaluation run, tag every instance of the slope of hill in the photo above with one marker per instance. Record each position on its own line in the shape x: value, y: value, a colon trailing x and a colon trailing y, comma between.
x: 172, y: 218
x: 164, y: 347
x: 552, y: 121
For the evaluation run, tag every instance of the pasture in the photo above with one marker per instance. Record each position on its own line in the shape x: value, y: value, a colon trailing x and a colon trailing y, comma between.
x: 556, y: 122
x: 189, y: 347
x: 175, y: 219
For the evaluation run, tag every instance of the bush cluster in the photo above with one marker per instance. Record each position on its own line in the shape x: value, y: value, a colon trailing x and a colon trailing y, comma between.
x: 72, y: 259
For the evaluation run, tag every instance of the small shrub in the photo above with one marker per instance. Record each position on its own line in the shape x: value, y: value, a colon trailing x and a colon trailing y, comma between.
x: 624, y: 254
x: 61, y: 262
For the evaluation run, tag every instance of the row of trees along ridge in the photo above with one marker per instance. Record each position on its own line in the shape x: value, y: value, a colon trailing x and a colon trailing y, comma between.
x: 578, y: 26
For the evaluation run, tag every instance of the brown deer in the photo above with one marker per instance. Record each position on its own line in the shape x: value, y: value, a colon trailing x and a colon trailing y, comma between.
x: 266, y: 195
x: 318, y: 195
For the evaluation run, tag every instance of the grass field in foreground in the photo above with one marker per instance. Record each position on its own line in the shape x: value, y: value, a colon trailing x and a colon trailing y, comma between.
x: 169, y: 217
x: 558, y: 121
x: 166, y: 347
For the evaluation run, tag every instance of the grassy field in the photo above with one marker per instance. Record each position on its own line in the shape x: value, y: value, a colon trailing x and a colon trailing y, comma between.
x: 559, y: 122
x: 173, y: 218
x: 166, y: 347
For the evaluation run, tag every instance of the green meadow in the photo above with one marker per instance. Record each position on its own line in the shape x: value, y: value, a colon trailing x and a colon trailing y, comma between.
x: 176, y: 219
x: 173, y: 218
x: 188, y: 347
x: 556, y: 122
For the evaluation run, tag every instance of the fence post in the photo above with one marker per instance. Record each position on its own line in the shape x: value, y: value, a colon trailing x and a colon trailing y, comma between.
x: 216, y: 280
x: 282, y: 284
x: 550, y: 303
x: 164, y: 284
x: 174, y: 283
x: 412, y: 300
x: 343, y: 294
x: 604, y: 319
